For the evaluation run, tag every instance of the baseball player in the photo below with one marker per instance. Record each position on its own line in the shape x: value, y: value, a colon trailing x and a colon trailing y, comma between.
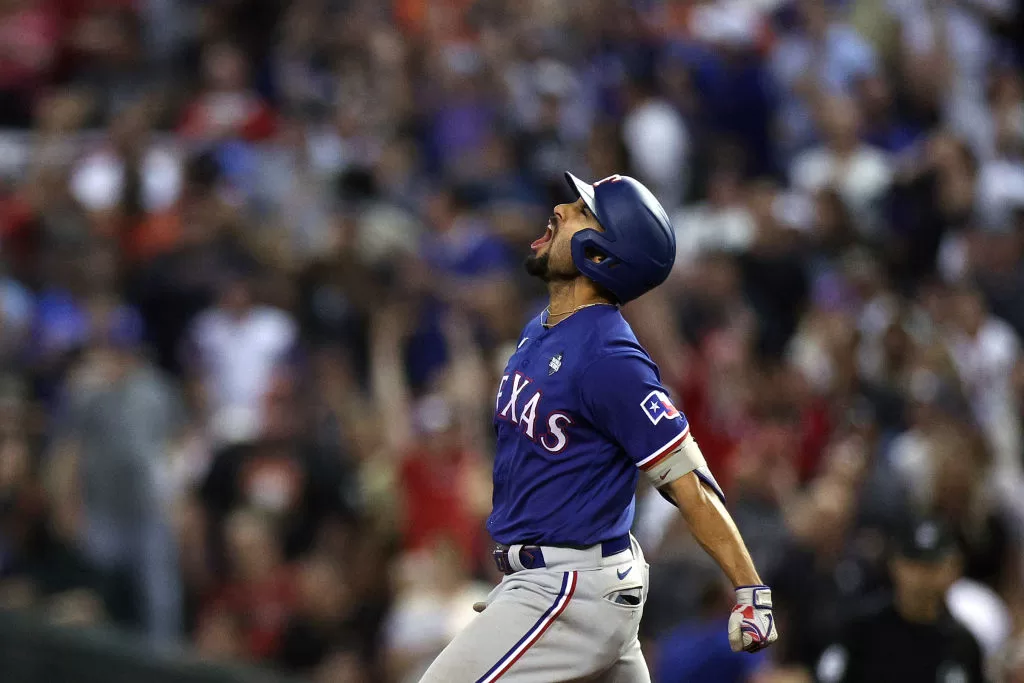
x: 579, y: 413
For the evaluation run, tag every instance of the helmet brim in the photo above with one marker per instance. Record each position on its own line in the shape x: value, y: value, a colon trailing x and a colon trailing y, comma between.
x: 584, y: 191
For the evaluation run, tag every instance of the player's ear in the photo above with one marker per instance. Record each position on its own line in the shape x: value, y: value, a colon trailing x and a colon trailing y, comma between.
x: 594, y: 255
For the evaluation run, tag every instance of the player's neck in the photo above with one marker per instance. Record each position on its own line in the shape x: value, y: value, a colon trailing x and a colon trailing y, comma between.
x: 566, y: 298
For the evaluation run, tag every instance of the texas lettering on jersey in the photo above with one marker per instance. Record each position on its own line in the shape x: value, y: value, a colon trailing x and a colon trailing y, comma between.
x: 521, y: 407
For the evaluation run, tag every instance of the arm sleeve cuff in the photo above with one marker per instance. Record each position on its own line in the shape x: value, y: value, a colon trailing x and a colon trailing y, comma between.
x: 676, y: 459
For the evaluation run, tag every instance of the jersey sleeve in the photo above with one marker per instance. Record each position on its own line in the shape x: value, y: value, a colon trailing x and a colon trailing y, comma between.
x: 622, y: 396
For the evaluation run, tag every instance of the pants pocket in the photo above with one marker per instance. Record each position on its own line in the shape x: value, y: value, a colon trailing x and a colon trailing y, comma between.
x: 626, y: 598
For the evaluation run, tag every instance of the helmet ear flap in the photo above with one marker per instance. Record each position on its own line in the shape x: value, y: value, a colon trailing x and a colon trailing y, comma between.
x: 587, y: 243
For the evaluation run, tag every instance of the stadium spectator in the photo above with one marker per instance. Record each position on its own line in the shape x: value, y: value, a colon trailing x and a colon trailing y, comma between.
x: 916, y: 625
x: 259, y: 592
x: 238, y: 347
x: 30, y: 34
x: 120, y: 418
x: 434, y: 601
x: 860, y: 173
x: 227, y: 109
x: 819, y: 57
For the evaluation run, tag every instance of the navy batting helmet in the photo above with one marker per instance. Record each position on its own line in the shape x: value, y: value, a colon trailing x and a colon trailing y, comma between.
x: 638, y: 243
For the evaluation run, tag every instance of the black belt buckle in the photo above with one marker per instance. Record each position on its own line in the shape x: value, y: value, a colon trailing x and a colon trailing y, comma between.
x: 501, y: 560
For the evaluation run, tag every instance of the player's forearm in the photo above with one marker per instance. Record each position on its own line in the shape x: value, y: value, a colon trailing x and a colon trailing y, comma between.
x: 713, y: 527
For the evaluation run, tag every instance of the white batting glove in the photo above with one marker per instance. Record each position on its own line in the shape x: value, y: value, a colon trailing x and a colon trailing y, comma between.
x: 751, y: 624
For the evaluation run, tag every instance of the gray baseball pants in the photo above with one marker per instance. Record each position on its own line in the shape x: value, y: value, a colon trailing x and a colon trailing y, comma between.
x: 568, y: 621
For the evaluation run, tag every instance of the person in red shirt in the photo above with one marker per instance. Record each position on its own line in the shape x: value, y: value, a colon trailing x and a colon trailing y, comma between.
x: 228, y: 107
x: 262, y: 593
x: 29, y: 35
x: 444, y: 486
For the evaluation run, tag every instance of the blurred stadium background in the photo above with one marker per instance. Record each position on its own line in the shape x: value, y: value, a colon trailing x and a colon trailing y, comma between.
x: 260, y: 268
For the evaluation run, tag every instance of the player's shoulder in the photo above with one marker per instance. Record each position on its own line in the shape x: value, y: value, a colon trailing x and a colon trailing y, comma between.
x: 614, y: 355
x: 616, y: 336
x: 611, y: 334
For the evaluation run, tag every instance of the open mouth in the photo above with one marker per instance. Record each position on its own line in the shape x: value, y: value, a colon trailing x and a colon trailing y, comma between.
x: 544, y: 239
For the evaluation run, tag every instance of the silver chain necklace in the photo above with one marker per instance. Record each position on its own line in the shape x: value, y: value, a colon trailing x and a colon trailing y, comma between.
x: 547, y: 309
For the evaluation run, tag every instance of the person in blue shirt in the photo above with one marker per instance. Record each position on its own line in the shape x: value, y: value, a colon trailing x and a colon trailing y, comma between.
x: 697, y: 650
x: 579, y: 414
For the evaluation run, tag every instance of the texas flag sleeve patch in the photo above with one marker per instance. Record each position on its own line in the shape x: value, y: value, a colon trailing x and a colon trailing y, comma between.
x: 657, y: 406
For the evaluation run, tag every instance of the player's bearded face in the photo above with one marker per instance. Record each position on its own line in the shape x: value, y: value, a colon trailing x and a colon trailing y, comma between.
x: 551, y: 257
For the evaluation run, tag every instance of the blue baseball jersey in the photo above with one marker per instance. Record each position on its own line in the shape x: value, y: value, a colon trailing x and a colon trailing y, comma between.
x: 580, y: 410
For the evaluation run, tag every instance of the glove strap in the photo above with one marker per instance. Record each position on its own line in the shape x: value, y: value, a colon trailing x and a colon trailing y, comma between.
x: 758, y: 596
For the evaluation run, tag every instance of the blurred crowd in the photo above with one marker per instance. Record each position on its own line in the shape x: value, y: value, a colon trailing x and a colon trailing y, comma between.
x: 260, y: 269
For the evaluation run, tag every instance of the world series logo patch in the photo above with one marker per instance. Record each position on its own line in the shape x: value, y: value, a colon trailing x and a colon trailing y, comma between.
x: 656, y: 406
x: 555, y: 363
